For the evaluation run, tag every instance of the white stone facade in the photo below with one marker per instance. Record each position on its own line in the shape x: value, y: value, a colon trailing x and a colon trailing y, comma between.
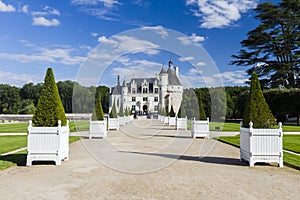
x: 145, y: 95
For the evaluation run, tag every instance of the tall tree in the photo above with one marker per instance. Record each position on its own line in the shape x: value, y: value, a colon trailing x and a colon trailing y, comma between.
x: 49, y: 108
x: 272, y: 48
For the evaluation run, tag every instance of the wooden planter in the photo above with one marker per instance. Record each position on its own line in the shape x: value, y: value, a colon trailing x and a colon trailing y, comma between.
x: 181, y: 123
x: 98, y: 129
x: 200, y: 128
x: 172, y: 121
x: 48, y: 143
x: 261, y: 145
x: 113, y: 124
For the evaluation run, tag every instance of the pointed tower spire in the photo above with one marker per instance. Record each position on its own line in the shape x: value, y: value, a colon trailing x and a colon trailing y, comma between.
x: 118, y: 80
x: 170, y: 62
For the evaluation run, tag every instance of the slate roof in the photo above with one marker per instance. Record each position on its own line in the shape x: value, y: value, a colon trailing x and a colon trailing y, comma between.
x: 172, y: 77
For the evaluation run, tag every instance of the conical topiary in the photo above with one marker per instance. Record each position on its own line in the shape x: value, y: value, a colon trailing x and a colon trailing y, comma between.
x: 98, y: 113
x: 256, y: 108
x: 121, y: 111
x: 179, y: 115
x: 201, y: 110
x: 172, y: 113
x: 49, y: 108
x: 126, y: 111
x: 113, y: 113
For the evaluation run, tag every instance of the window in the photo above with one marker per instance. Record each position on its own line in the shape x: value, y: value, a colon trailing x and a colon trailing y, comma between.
x: 156, y: 99
x: 133, y: 90
x: 133, y: 99
x: 155, y: 90
x: 145, y: 90
x: 145, y: 99
x: 133, y: 107
x: 155, y: 108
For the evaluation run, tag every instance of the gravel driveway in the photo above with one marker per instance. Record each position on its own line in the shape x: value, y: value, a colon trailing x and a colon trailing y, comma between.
x: 145, y: 161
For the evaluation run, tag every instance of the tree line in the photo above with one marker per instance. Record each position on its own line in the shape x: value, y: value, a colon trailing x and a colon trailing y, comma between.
x: 80, y: 99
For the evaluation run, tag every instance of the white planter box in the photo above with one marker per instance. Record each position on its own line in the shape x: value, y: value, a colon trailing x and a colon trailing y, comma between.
x: 113, y: 124
x: 158, y: 117
x: 48, y: 143
x: 172, y: 121
x: 122, y: 121
x: 166, y: 120
x: 131, y: 117
x: 181, y: 123
x: 162, y: 118
x: 98, y: 129
x: 261, y: 145
x: 200, y: 128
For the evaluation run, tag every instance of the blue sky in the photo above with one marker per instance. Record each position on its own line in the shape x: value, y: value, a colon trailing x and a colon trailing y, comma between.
x: 63, y: 35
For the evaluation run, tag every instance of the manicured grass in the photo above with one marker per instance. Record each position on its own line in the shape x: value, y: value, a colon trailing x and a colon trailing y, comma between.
x: 10, y: 143
x: 290, y: 142
x: 227, y: 126
x: 18, y: 158
x: 13, y: 127
x: 22, y: 127
x: 82, y: 125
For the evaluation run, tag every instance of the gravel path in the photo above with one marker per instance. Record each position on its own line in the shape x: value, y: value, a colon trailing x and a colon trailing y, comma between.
x: 145, y: 161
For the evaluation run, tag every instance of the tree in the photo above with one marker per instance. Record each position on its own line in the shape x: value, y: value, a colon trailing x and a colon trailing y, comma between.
x: 172, y: 113
x: 113, y: 113
x: 256, y: 108
x: 49, y: 108
x: 272, y: 48
x: 98, y: 111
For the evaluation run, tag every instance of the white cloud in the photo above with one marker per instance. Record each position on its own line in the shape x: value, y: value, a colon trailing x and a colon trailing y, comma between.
x: 18, y: 79
x: 24, y: 9
x: 220, y: 13
x: 106, y: 3
x: 201, y: 64
x: 233, y: 77
x: 124, y: 43
x: 44, y: 55
x: 6, y: 7
x: 157, y: 29
x: 42, y: 21
x: 93, y: 34
x: 191, y: 40
x: 188, y: 58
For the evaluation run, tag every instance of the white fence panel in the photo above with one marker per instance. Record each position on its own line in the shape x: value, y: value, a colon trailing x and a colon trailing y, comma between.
x: 172, y: 121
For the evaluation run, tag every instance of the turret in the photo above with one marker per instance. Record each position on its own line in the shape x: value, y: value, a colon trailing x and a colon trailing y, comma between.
x: 163, y: 77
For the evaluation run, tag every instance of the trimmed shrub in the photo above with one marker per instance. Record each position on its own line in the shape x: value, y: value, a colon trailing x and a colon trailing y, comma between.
x: 113, y: 113
x: 256, y: 109
x: 172, y: 113
x: 201, y: 110
x: 98, y: 113
x: 49, y: 108
x: 121, y: 111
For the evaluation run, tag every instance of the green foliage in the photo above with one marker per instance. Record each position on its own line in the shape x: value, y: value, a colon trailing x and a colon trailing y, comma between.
x: 126, y: 111
x: 179, y: 114
x: 130, y: 112
x: 257, y: 109
x: 121, y: 111
x: 49, y: 108
x: 98, y: 112
x: 172, y: 113
x: 275, y: 44
x: 201, y: 111
x: 113, y: 113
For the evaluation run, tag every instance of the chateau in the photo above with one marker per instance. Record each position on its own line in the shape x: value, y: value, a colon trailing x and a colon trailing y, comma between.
x: 144, y: 95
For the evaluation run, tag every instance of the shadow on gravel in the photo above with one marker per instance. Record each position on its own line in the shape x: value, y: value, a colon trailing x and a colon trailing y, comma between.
x: 214, y: 160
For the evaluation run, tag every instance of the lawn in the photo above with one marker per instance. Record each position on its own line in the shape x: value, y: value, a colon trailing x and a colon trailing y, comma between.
x: 22, y: 127
x: 290, y: 142
x: 10, y: 143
